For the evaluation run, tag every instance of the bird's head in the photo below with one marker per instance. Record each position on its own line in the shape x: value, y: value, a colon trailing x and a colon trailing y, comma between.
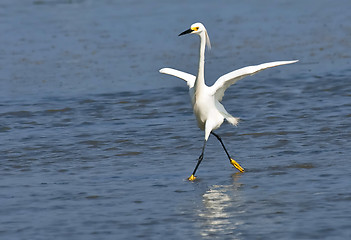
x: 199, y: 29
x: 196, y: 28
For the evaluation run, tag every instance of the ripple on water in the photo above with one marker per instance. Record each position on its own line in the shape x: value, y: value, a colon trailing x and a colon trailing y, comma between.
x: 115, y: 165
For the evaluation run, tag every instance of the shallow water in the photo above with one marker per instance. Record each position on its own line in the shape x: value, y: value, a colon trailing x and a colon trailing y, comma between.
x: 96, y: 144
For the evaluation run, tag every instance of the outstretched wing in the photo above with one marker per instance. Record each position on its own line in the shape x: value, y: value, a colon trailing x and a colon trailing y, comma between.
x: 222, y: 83
x: 189, y: 78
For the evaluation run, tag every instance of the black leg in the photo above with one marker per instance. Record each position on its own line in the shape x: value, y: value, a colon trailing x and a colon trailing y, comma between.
x: 232, y: 161
x: 192, y: 177
x: 220, y: 140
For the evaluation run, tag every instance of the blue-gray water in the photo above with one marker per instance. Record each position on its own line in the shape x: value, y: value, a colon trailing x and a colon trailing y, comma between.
x: 96, y: 144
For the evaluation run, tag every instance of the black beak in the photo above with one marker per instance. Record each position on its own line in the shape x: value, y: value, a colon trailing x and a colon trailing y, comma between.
x: 186, y: 32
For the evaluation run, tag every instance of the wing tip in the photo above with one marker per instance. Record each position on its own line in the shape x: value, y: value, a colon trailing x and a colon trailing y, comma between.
x: 291, y: 61
x: 279, y: 63
x: 163, y: 70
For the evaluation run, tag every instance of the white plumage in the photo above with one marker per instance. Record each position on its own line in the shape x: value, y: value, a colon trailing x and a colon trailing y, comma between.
x: 209, y: 112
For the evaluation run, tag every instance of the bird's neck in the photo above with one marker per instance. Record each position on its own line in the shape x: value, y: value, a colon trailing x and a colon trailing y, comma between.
x: 200, y: 79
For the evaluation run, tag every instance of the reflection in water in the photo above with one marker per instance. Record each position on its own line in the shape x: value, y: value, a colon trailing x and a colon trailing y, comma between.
x: 221, y: 207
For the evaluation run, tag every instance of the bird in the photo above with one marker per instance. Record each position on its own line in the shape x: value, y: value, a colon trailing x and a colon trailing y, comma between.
x: 206, y: 100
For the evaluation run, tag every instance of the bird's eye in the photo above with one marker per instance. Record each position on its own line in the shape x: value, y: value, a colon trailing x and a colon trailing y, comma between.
x: 196, y: 28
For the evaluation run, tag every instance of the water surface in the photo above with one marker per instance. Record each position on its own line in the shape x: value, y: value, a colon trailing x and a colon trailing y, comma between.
x: 96, y: 144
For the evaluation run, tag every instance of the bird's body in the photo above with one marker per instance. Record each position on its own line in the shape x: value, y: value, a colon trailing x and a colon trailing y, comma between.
x: 208, y: 110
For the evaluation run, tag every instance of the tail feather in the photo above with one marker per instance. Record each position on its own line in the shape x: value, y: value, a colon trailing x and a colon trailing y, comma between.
x: 232, y: 120
x: 226, y: 115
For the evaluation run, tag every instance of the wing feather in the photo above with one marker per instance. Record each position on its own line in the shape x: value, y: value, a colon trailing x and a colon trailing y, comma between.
x: 189, y: 78
x: 222, y: 83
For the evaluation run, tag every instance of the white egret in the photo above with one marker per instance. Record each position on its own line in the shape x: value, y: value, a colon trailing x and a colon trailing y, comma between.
x: 209, y: 112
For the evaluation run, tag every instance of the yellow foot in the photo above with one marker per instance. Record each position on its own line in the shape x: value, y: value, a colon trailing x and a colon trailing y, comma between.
x: 236, y: 165
x: 192, y: 178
